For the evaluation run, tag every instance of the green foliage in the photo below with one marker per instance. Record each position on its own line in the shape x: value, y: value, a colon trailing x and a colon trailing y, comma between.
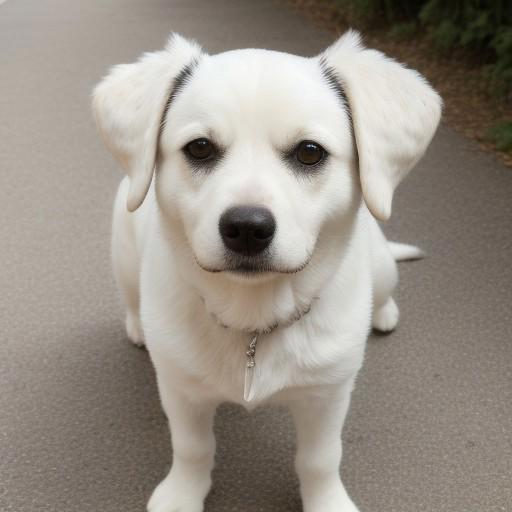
x: 444, y: 34
x: 471, y: 23
x: 391, y: 10
x: 501, y: 72
x: 404, y: 30
x: 501, y: 135
x: 482, y: 26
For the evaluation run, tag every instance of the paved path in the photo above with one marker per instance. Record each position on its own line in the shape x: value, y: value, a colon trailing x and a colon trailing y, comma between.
x: 81, y: 430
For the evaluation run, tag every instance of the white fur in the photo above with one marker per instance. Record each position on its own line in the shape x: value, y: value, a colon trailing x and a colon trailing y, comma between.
x: 395, y: 111
x: 405, y: 252
x: 169, y: 260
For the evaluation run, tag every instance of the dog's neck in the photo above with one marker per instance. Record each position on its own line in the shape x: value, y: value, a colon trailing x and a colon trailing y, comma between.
x: 253, y: 336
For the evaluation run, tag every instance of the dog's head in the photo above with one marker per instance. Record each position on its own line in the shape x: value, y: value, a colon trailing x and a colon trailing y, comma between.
x: 256, y: 150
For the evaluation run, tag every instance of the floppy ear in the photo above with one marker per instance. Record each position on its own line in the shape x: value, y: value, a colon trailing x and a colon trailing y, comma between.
x: 129, y: 105
x: 395, y: 113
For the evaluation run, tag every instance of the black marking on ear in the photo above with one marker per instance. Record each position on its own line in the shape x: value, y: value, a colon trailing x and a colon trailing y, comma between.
x: 177, y: 86
x: 336, y: 84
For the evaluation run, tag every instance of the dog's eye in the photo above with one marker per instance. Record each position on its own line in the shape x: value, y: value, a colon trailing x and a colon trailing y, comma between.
x: 200, y: 149
x: 309, y: 152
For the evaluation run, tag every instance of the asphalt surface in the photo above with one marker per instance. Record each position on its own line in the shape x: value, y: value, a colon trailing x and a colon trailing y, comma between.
x: 430, y: 428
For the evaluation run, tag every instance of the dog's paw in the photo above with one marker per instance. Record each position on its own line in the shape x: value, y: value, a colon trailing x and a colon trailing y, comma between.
x: 385, y: 318
x: 175, y: 495
x: 134, y: 329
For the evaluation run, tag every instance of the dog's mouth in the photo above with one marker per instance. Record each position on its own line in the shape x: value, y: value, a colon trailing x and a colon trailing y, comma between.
x: 254, y: 267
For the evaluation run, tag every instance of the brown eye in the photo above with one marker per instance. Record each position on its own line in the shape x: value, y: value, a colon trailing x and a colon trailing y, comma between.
x: 309, y: 152
x: 200, y: 149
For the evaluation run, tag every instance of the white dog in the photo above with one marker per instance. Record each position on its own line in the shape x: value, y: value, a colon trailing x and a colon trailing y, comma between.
x: 252, y: 264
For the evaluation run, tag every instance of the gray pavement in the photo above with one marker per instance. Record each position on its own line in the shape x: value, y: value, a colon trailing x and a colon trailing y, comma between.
x: 430, y: 428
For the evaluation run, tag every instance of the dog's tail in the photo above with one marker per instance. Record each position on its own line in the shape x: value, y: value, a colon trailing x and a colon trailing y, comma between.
x: 405, y: 252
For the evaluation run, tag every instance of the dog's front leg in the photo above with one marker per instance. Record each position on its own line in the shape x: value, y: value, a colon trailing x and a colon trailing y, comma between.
x: 319, y: 420
x: 188, y: 482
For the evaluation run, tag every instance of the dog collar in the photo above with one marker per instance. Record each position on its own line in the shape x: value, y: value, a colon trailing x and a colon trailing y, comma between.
x: 254, y: 336
x: 250, y: 367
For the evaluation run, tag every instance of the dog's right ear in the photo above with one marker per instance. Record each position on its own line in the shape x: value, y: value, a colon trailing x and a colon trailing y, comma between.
x: 129, y: 105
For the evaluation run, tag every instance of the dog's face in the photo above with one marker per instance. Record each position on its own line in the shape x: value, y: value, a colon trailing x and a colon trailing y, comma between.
x: 255, y: 154
x: 256, y: 150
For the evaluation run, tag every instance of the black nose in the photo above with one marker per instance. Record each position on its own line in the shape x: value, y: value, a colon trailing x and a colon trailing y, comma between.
x: 247, y: 230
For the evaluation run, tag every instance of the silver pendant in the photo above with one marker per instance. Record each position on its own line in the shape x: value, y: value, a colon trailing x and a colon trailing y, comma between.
x: 250, y: 369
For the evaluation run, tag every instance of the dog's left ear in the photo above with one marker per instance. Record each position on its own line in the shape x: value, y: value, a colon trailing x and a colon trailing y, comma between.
x: 395, y: 114
x: 129, y: 105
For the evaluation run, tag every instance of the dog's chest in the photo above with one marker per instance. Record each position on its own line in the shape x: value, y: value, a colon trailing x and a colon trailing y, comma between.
x: 208, y: 360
